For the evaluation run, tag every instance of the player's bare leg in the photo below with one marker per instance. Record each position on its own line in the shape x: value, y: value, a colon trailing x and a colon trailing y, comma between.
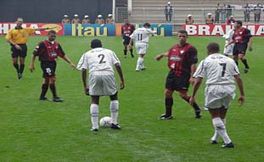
x: 217, y: 115
x: 197, y: 110
x: 94, y: 112
x: 168, y: 105
x: 125, y: 50
x: 244, y: 61
x: 235, y: 57
x: 114, y: 107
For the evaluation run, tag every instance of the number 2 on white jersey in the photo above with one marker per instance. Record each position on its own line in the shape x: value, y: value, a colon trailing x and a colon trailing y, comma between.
x: 101, y: 56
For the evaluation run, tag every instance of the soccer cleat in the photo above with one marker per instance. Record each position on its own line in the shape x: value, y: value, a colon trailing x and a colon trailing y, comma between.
x: 214, y: 142
x: 57, y: 99
x: 246, y: 70
x: 165, y: 117
x: 198, y: 114
x: 19, y: 75
x: 94, y: 129
x: 115, y: 126
x: 229, y: 145
x: 43, y: 99
x: 137, y: 70
x: 143, y: 68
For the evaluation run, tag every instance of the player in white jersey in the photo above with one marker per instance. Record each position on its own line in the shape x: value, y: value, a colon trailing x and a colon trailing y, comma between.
x: 100, y: 61
x: 228, y: 50
x: 141, y: 39
x: 221, y: 73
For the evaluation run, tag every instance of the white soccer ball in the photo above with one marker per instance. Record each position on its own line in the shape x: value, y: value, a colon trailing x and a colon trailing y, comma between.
x: 105, y: 121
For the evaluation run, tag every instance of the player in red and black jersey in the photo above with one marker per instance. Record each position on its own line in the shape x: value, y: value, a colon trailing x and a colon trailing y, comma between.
x: 242, y: 39
x: 48, y: 51
x: 127, y: 29
x: 182, y: 59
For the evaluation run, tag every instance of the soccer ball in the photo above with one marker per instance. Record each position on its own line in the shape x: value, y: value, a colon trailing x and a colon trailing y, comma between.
x: 105, y: 121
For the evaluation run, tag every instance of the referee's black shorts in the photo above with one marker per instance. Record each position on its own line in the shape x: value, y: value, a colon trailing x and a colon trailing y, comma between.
x: 176, y: 83
x: 19, y: 53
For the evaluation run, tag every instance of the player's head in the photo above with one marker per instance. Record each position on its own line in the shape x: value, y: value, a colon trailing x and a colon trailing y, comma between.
x: 182, y: 35
x: 52, y: 35
x: 238, y: 24
x: 19, y: 21
x: 126, y: 21
x: 96, y: 43
x: 213, y: 48
x: 146, y: 25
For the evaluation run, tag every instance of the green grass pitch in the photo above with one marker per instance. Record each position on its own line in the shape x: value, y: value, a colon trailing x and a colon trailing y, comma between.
x: 31, y: 130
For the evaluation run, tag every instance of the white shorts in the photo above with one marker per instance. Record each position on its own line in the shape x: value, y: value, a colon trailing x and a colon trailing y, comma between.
x: 102, y: 85
x: 228, y: 51
x: 217, y: 96
x: 141, y: 48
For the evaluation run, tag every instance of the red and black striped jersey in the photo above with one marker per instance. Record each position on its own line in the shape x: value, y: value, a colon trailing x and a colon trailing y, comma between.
x: 181, y: 58
x: 48, y: 51
x: 127, y: 29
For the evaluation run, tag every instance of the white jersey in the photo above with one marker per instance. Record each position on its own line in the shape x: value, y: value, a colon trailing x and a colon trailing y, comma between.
x: 141, y: 35
x: 218, y: 69
x: 228, y: 50
x: 98, y: 61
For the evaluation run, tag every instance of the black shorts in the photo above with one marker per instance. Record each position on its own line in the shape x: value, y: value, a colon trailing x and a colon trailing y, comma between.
x: 48, y: 68
x: 126, y: 40
x: 240, y: 49
x: 177, y: 83
x: 19, y: 53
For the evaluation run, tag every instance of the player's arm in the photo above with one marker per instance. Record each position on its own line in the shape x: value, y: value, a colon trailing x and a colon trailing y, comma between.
x: 250, y: 44
x: 65, y: 57
x: 68, y: 60
x: 35, y: 54
x: 160, y: 56
x: 120, y: 74
x: 196, y: 85
x: 10, y: 41
x: 239, y: 82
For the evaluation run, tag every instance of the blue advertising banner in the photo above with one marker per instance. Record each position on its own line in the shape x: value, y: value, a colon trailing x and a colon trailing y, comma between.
x: 110, y: 29
x: 89, y: 29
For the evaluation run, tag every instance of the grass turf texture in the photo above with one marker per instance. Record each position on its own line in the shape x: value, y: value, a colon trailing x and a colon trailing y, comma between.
x: 31, y: 130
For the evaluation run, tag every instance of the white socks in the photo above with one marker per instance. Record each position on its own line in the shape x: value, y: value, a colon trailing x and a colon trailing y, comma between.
x: 94, y: 111
x: 114, y: 106
x: 220, y: 129
x: 216, y: 135
x: 140, y: 63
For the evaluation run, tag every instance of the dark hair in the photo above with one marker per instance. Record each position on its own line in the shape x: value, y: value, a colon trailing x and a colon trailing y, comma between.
x: 95, y: 43
x: 183, y: 32
x: 239, y: 22
x: 51, y: 32
x: 147, y: 25
x: 213, y: 48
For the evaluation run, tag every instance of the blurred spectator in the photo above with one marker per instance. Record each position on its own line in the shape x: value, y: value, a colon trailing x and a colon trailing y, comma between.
x: 217, y: 13
x: 247, y: 11
x: 209, y: 19
x: 257, y: 13
x: 76, y: 19
x: 66, y: 20
x: 86, y: 20
x: 189, y: 20
x: 168, y: 12
x: 109, y: 19
x: 230, y: 20
x: 223, y: 13
x: 99, y: 20
x: 228, y: 10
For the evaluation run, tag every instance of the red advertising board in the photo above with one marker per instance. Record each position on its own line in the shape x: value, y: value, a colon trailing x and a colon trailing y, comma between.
x: 219, y: 30
x: 5, y: 27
